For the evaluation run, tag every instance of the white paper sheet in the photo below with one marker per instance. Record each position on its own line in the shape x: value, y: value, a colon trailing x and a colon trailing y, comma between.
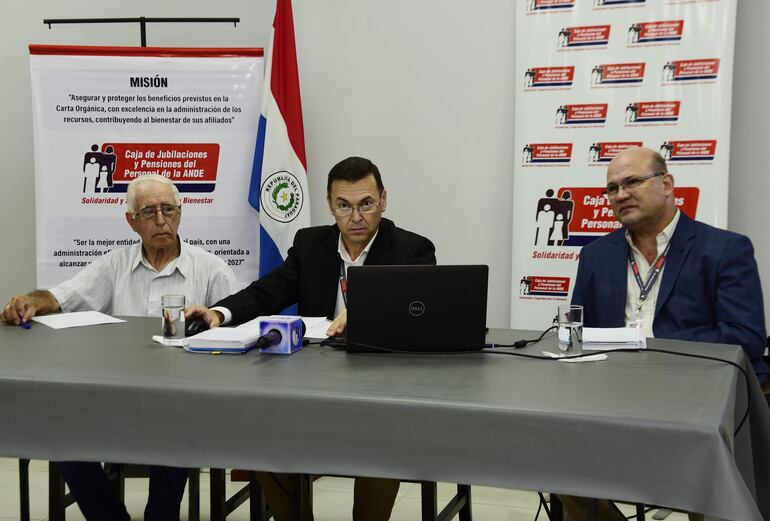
x: 173, y: 342
x: 604, y: 338
x: 76, y: 319
x: 585, y: 358
x: 316, y: 327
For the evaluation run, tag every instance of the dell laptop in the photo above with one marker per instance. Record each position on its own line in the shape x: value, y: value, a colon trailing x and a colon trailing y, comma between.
x: 416, y: 308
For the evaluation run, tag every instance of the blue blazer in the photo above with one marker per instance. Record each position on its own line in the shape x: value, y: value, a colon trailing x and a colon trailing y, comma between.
x: 709, y: 291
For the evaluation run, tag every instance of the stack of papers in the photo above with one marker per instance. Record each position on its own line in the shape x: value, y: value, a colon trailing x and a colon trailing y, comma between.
x: 605, y: 338
x: 226, y: 339
x: 242, y: 338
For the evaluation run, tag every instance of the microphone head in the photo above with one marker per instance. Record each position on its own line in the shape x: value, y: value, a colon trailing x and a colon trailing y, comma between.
x: 281, y: 334
x: 269, y: 339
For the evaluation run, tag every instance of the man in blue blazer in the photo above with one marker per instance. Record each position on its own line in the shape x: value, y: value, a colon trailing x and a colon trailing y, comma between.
x: 708, y: 287
x: 681, y: 278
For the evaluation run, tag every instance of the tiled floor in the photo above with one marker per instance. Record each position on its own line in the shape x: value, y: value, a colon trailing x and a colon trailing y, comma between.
x: 333, y: 499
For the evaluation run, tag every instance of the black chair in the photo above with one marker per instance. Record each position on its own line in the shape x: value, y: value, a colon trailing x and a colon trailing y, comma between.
x: 59, y: 500
x: 556, y: 510
x: 459, y: 505
x: 24, y: 489
x: 221, y: 506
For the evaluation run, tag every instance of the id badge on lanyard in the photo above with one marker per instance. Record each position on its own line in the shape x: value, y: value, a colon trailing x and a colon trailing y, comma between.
x: 343, y: 283
x: 645, y: 287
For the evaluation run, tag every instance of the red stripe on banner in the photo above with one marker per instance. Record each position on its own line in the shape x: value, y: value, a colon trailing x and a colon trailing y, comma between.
x: 284, y: 80
x: 180, y: 52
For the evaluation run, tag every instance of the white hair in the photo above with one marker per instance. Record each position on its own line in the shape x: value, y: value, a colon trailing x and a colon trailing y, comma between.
x: 133, y: 186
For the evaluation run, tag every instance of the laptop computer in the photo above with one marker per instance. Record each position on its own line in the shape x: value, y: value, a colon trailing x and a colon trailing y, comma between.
x: 416, y: 308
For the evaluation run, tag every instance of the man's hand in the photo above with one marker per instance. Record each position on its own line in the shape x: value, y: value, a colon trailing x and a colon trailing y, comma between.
x: 212, y: 318
x: 20, y: 309
x: 338, y: 324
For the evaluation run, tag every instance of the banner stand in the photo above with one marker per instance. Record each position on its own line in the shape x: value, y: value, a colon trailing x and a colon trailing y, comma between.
x: 142, y: 21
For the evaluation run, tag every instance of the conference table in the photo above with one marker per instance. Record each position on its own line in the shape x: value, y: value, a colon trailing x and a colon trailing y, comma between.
x: 641, y: 427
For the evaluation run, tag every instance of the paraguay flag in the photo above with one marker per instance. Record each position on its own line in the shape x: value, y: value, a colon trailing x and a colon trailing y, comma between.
x: 278, y: 188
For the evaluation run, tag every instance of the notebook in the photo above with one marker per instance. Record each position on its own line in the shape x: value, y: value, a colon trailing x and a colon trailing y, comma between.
x: 225, y: 340
x: 416, y: 308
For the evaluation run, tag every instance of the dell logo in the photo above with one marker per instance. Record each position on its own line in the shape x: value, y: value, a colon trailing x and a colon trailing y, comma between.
x: 416, y: 308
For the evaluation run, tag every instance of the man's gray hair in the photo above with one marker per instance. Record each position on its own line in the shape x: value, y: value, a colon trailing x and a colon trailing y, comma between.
x: 154, y: 178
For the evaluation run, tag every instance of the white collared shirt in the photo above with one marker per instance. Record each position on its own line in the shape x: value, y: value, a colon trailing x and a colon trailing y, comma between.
x: 123, y: 282
x: 348, y: 262
x: 647, y: 313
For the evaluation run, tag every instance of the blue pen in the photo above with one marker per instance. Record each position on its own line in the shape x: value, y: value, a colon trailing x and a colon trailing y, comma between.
x: 25, y: 325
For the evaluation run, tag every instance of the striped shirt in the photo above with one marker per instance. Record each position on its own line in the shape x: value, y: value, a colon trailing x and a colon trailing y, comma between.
x: 123, y: 282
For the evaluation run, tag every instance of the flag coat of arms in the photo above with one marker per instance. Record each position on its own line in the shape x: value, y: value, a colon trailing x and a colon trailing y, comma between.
x: 278, y: 188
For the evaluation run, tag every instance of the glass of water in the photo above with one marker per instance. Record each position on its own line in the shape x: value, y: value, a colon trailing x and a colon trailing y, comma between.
x: 570, y: 329
x: 172, y: 317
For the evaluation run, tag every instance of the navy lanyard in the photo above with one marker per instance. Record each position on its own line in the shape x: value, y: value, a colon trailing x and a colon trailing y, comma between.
x: 652, y: 276
x: 343, y: 283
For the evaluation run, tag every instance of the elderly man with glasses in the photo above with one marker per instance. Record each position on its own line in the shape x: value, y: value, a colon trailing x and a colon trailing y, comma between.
x: 130, y: 281
x: 676, y: 277
x: 314, y: 276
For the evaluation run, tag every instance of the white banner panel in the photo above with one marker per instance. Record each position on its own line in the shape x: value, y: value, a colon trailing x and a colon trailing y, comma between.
x: 103, y: 116
x: 595, y: 77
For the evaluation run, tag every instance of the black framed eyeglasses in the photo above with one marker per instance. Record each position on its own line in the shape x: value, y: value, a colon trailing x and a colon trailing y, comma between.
x: 148, y: 212
x: 346, y: 209
x: 630, y: 184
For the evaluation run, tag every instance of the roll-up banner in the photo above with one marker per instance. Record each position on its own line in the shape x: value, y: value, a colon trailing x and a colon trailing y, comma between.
x: 103, y: 116
x: 594, y: 77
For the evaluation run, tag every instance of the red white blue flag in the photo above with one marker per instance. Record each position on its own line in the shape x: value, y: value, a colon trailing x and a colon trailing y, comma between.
x: 278, y: 188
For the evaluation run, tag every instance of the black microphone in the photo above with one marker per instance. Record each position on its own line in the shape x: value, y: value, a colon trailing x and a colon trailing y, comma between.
x: 275, y: 328
x: 270, y: 339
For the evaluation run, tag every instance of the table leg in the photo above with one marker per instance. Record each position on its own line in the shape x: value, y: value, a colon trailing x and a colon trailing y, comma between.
x: 194, y: 495
x: 24, y: 489
x: 303, y: 502
x: 218, y: 498
x: 429, y: 500
x: 466, y: 513
x: 55, y: 493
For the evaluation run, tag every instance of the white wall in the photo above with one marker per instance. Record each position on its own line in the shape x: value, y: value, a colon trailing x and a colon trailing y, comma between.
x: 422, y: 87
x: 749, y: 201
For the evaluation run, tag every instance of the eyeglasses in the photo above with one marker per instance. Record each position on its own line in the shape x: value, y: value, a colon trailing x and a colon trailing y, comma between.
x: 629, y: 185
x: 345, y: 209
x: 148, y: 212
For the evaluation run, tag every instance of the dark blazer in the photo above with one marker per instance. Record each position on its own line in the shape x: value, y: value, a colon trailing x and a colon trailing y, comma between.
x: 709, y: 291
x: 310, y: 273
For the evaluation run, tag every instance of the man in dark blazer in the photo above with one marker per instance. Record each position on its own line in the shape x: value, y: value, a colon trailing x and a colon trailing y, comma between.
x: 707, y: 286
x: 708, y: 289
x: 310, y: 274
x: 314, y: 276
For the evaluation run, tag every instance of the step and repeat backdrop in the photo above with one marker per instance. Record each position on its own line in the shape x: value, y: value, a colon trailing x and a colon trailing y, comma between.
x: 595, y: 77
